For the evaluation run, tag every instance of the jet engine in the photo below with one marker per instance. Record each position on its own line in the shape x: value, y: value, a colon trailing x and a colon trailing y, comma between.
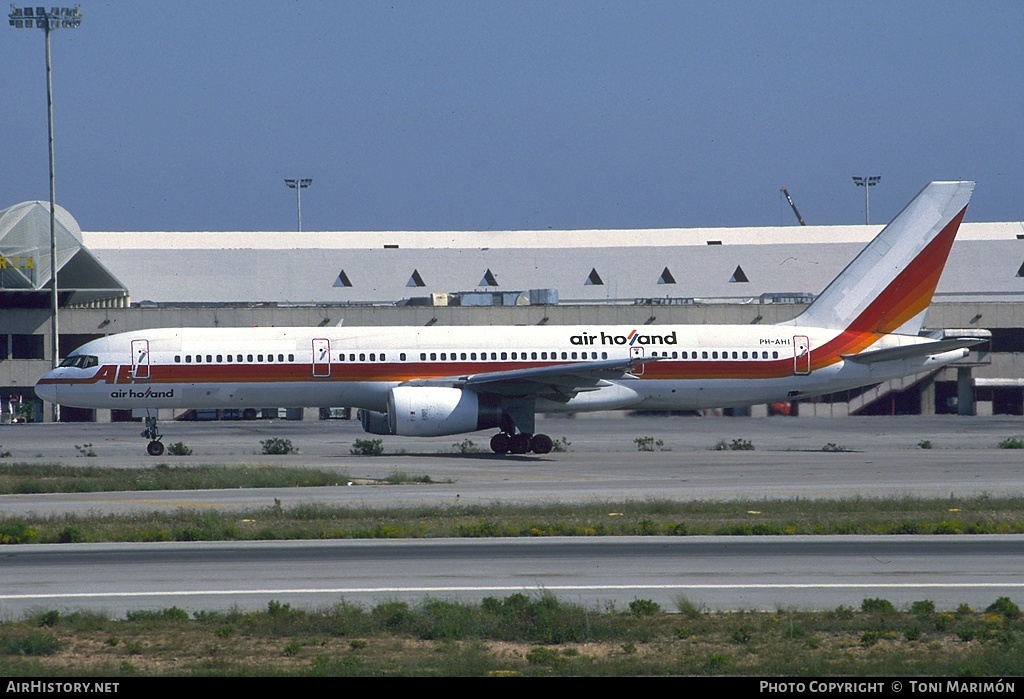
x: 427, y: 411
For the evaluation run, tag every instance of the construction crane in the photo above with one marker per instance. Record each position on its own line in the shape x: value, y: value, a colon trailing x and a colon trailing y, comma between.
x: 793, y: 206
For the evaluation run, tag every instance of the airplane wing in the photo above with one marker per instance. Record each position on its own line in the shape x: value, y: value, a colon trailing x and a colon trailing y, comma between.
x: 560, y: 382
x: 922, y: 350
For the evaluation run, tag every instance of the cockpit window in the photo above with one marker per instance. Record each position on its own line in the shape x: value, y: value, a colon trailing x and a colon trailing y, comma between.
x: 81, y: 361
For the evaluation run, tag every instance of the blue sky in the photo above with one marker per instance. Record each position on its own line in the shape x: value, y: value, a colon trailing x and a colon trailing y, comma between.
x: 486, y: 115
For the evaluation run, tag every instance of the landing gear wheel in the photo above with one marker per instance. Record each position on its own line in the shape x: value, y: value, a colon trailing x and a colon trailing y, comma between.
x: 541, y: 444
x: 520, y: 443
x: 501, y: 443
x: 155, y: 446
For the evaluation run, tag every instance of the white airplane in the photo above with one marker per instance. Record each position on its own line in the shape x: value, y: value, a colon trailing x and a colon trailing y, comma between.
x: 433, y: 381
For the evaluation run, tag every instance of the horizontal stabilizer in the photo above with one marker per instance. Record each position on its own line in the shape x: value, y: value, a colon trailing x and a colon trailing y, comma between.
x: 908, y: 351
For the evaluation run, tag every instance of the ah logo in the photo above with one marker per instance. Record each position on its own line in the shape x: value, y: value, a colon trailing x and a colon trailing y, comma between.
x: 631, y: 339
x: 148, y: 393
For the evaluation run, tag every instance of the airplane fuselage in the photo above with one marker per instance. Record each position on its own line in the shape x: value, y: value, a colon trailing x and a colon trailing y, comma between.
x: 689, y: 367
x: 432, y: 381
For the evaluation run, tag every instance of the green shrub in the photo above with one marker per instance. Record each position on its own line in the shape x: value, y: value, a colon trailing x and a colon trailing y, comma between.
x: 31, y: 643
x: 368, y: 447
x: 276, y: 445
x: 466, y: 446
x: 179, y: 449
x: 166, y: 614
x: 877, y: 605
x: 1004, y: 606
x: 923, y: 607
x: 85, y: 450
x: 644, y: 607
x: 734, y: 445
x: 1012, y: 443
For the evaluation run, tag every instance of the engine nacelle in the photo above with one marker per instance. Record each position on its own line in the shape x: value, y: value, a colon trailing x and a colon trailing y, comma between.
x: 426, y: 411
x: 374, y: 422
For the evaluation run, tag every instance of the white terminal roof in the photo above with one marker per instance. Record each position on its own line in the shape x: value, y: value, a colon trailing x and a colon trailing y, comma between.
x: 986, y: 263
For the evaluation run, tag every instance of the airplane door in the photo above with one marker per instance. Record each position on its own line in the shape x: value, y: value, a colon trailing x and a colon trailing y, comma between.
x: 801, y: 355
x: 140, y: 360
x: 637, y: 352
x: 321, y: 357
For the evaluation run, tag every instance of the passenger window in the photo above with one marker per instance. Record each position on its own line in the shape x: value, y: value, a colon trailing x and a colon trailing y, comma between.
x: 177, y: 359
x: 249, y: 358
x: 220, y: 358
x: 229, y: 358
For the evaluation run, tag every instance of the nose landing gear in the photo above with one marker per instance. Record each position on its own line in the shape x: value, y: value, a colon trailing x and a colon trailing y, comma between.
x: 155, y: 446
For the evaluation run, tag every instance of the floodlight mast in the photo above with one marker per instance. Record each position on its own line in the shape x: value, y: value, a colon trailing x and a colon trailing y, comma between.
x: 867, y: 183
x: 298, y: 185
x: 49, y: 19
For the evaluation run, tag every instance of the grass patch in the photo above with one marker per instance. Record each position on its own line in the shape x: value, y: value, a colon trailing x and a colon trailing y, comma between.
x: 533, y: 634
x: 864, y: 516
x: 56, y: 478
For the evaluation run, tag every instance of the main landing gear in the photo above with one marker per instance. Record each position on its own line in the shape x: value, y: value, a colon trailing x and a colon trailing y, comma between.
x: 155, y: 446
x: 520, y: 443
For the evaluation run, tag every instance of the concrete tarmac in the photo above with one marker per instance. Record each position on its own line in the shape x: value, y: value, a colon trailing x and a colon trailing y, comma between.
x: 791, y: 457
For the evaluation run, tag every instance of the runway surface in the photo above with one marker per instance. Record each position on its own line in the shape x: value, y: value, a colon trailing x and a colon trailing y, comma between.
x: 881, y: 457
x: 724, y: 573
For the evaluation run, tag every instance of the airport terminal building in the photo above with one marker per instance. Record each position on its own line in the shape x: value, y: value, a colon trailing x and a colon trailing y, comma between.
x: 111, y: 282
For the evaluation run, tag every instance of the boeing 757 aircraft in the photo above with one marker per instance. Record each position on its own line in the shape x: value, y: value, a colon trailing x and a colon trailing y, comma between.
x: 433, y: 381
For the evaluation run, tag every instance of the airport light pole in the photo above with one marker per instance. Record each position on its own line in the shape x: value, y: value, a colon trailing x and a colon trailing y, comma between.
x: 49, y: 19
x: 298, y: 185
x: 867, y: 183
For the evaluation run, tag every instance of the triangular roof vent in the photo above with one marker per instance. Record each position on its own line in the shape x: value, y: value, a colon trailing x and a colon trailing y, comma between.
x: 415, y: 279
x: 738, y: 275
x: 666, y: 277
x: 594, y: 279
x: 342, y: 279
x: 488, y: 279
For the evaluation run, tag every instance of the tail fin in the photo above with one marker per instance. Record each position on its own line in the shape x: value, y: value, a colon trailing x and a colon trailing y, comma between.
x: 888, y: 286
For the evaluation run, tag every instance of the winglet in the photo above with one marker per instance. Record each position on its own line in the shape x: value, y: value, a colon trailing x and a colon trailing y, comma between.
x: 888, y: 286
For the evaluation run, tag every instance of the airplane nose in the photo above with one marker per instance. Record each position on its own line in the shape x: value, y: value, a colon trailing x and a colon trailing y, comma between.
x: 46, y: 391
